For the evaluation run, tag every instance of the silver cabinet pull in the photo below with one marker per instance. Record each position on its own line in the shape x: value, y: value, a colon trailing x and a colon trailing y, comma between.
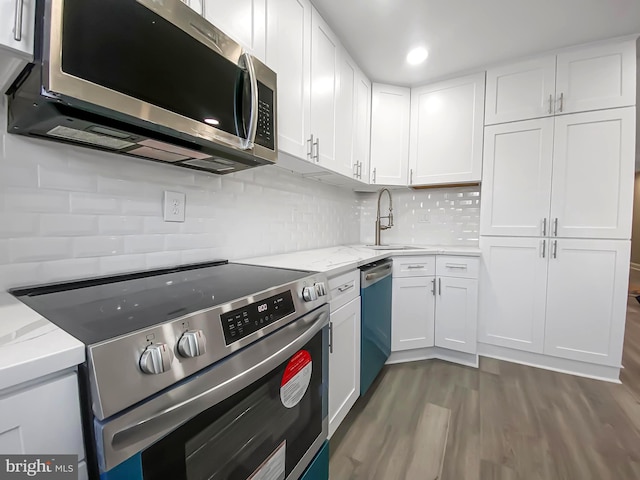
x: 555, y: 249
x: 544, y: 227
x: 434, y: 287
x: 374, y: 176
x: 555, y: 227
x: 550, y: 104
x: 17, y: 21
x: 330, y: 337
x: 561, y: 101
x: 440, y: 286
x: 544, y: 248
x: 360, y: 170
x: 455, y: 265
x: 355, y: 170
x: 345, y: 287
x: 317, y: 145
x: 415, y: 266
x: 310, y: 147
x: 411, y: 177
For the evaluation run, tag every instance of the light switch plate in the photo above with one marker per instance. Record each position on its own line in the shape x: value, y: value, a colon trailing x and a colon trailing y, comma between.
x: 174, y: 206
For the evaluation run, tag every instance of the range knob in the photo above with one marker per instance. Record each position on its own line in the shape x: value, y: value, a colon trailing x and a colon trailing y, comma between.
x: 156, y: 359
x: 309, y: 294
x: 192, y: 343
x: 321, y: 289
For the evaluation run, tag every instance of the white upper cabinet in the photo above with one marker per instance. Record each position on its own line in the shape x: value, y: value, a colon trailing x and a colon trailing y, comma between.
x: 242, y: 20
x: 516, y: 183
x: 521, y: 90
x: 593, y: 165
x: 390, y: 114
x: 586, y: 78
x: 325, y: 56
x: 586, y: 300
x: 513, y: 289
x: 17, y: 24
x: 345, y: 127
x: 289, y: 55
x: 363, y: 127
x: 446, y: 131
x: 595, y: 78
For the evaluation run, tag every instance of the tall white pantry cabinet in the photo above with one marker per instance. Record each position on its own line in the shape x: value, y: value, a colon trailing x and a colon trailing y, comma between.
x: 557, y: 205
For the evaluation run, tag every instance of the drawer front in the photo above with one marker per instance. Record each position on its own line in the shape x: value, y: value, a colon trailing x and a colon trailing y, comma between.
x: 422, y: 266
x: 344, y: 288
x: 461, y: 267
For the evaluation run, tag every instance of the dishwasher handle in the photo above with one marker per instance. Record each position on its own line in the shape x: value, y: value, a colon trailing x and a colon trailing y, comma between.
x: 373, y: 275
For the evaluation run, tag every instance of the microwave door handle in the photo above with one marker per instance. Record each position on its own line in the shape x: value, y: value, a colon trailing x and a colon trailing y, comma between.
x: 253, y: 119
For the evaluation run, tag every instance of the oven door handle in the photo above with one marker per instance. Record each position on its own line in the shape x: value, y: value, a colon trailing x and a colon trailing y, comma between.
x: 133, y: 431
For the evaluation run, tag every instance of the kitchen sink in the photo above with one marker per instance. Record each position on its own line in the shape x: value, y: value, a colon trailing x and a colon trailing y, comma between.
x: 392, y: 247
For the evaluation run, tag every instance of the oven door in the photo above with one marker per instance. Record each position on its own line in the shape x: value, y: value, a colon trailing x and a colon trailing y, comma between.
x: 259, y: 414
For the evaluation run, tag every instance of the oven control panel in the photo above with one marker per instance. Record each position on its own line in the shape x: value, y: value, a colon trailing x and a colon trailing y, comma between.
x: 239, y: 323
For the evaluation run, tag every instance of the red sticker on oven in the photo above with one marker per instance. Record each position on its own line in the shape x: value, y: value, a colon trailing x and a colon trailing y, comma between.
x: 296, y: 379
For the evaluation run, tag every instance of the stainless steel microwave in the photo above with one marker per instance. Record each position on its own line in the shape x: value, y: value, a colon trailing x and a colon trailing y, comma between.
x: 146, y: 78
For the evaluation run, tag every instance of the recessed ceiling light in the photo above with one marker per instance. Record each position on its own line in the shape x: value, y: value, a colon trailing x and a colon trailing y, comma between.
x: 211, y: 121
x: 417, y: 55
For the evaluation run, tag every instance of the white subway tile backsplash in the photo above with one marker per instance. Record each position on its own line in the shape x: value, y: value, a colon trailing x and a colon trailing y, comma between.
x: 18, y: 224
x: 37, y: 249
x: 67, y: 225
x: 23, y: 200
x: 121, y: 263
x: 19, y: 176
x: 96, y: 204
x: 120, y: 225
x: 4, y: 251
x: 64, y: 179
x: 143, y: 243
x: 69, y: 269
x: 163, y: 259
x: 97, y: 246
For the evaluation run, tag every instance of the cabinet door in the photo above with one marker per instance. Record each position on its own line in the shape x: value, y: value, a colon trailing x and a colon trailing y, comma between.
x: 593, y: 165
x: 597, y: 77
x: 413, y: 310
x: 587, y: 300
x: 346, y: 116
x: 363, y: 126
x: 516, y: 181
x: 521, y: 90
x: 324, y: 82
x: 457, y: 314
x: 390, y: 135
x: 344, y: 362
x: 18, y: 38
x: 289, y: 54
x: 242, y: 20
x: 43, y: 419
x: 446, y: 132
x: 512, y: 289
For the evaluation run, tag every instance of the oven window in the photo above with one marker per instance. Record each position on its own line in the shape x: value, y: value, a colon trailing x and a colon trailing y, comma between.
x: 253, y: 429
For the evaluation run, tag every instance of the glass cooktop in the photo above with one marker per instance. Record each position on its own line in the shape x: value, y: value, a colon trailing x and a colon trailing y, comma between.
x: 94, y: 310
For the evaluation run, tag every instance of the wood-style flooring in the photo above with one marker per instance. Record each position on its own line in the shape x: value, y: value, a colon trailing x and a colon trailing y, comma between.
x: 435, y: 420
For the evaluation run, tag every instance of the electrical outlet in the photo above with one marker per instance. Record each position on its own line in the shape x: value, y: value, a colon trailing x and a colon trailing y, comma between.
x: 174, y: 206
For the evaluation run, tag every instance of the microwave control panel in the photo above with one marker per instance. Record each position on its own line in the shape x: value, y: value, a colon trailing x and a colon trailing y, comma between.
x: 242, y: 322
x: 265, y: 135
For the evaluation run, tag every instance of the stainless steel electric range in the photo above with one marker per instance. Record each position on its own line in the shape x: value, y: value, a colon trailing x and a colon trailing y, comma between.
x: 207, y: 371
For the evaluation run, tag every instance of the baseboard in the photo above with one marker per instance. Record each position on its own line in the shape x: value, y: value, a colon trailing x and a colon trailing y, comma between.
x: 430, y: 353
x: 561, y: 365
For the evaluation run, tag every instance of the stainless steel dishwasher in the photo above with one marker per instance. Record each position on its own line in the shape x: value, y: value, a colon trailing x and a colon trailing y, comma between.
x: 375, y: 293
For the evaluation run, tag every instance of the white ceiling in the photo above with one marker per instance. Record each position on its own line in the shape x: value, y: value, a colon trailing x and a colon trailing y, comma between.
x: 463, y: 35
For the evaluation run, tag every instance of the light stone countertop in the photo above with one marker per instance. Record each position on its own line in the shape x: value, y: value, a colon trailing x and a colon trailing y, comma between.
x: 31, y: 346
x: 336, y: 260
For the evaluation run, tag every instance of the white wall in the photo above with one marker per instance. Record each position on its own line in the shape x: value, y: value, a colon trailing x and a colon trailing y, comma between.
x: 70, y: 212
x: 443, y: 216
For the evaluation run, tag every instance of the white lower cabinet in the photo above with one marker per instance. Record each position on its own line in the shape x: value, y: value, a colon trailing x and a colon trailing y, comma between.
x: 42, y: 419
x: 413, y: 310
x: 456, y: 314
x: 344, y: 362
x: 434, y: 303
x: 587, y: 299
x: 555, y: 296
